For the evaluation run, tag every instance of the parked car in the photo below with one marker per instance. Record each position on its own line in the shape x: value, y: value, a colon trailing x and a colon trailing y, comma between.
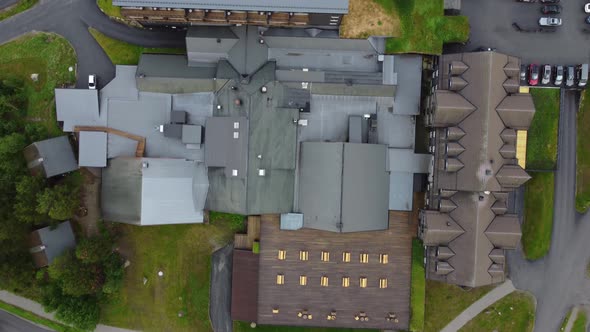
x: 558, y: 76
x: 92, y: 82
x: 485, y: 49
x: 533, y: 74
x: 587, y: 19
x: 582, y: 75
x: 546, y: 74
x: 549, y: 1
x: 523, y: 72
x: 587, y: 8
x: 549, y: 21
x: 551, y: 9
x: 569, y: 80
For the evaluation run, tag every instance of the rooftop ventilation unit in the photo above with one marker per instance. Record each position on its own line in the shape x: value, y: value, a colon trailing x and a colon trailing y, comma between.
x: 261, y: 172
x: 145, y: 164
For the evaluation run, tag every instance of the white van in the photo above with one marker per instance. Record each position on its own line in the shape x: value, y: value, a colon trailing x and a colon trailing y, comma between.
x: 582, y: 75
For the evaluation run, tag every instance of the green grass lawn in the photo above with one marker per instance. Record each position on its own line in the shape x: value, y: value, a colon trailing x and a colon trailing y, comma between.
x: 122, y: 53
x: 424, y: 28
x: 418, y: 289
x: 513, y: 313
x: 21, y: 6
x: 538, y: 214
x: 31, y: 317
x: 245, y: 327
x: 107, y: 7
x: 583, y: 155
x: 183, y: 253
x: 444, y: 302
x: 48, y: 55
x: 541, y: 151
x: 580, y: 322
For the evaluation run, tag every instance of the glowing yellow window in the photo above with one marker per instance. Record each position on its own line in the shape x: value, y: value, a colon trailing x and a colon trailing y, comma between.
x: 364, y: 258
x: 325, y: 256
x: 384, y: 258
x: 282, y: 255
x: 303, y: 280
x: 303, y: 255
x: 275, y: 310
x: 280, y: 279
x: 324, y: 281
x: 363, y: 282
x: 345, y: 282
x: 346, y: 257
x: 383, y: 283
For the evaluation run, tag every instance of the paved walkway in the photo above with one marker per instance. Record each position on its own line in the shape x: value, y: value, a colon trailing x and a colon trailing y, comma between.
x: 220, y: 292
x: 37, y: 309
x: 480, y: 305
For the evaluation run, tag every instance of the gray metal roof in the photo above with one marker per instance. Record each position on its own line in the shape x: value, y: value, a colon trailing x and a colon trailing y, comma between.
x: 365, y: 188
x: 305, y: 6
x: 173, y: 191
x: 226, y: 145
x: 343, y: 187
x: 77, y: 107
x: 401, y: 191
x: 154, y: 191
x: 206, y: 44
x: 320, y: 185
x: 56, y: 241
x: 408, y: 69
x: 55, y: 155
x: 93, y: 149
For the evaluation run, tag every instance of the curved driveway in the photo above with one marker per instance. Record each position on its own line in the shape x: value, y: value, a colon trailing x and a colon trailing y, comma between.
x: 558, y: 281
x: 71, y: 19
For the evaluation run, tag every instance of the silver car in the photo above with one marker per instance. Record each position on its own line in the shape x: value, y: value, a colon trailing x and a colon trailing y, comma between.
x: 569, y: 80
x: 549, y: 21
x: 546, y: 75
x: 558, y: 75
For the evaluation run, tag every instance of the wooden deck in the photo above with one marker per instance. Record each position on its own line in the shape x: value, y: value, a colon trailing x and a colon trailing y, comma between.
x: 139, y: 151
x: 246, y: 241
x: 291, y: 298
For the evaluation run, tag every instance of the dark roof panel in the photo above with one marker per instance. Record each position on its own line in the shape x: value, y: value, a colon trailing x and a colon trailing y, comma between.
x: 244, y: 290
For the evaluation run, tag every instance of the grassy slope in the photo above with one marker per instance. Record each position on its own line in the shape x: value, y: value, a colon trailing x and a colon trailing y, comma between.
x: 183, y: 253
x: 583, y: 155
x: 542, y: 135
x: 424, y: 27
x: 513, y: 313
x: 122, y: 53
x: 107, y: 7
x: 245, y: 327
x: 418, y: 289
x: 21, y: 6
x: 48, y: 55
x: 538, y: 215
x: 444, y: 302
x: 31, y: 317
x: 580, y: 322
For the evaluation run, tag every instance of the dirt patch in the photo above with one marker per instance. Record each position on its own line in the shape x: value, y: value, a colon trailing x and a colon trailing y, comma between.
x: 89, y: 215
x: 367, y: 18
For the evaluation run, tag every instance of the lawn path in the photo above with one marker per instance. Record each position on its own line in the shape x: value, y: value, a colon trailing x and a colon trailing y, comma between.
x: 480, y: 305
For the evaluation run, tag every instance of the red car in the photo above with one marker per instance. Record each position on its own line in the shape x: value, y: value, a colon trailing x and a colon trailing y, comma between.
x: 533, y: 74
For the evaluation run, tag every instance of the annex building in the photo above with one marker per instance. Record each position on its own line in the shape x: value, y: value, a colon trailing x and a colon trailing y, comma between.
x: 477, y: 118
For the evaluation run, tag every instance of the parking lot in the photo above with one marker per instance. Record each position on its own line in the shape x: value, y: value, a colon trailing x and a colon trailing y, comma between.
x: 492, y: 26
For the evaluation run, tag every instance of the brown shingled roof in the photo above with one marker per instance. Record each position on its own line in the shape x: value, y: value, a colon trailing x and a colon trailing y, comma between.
x: 244, y: 291
x: 475, y: 167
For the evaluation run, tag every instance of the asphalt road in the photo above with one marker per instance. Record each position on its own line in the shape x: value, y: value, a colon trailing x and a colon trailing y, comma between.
x: 491, y: 26
x: 6, y: 3
x: 558, y: 281
x: 11, y: 323
x: 220, y: 292
x: 71, y: 19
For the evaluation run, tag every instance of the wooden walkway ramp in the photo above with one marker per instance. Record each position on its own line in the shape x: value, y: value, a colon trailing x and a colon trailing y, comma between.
x: 139, y: 151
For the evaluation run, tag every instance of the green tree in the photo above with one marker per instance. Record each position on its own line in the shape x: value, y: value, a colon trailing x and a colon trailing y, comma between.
x: 59, y: 202
x: 25, y: 206
x: 83, y: 312
x: 94, y: 249
x: 75, y: 277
